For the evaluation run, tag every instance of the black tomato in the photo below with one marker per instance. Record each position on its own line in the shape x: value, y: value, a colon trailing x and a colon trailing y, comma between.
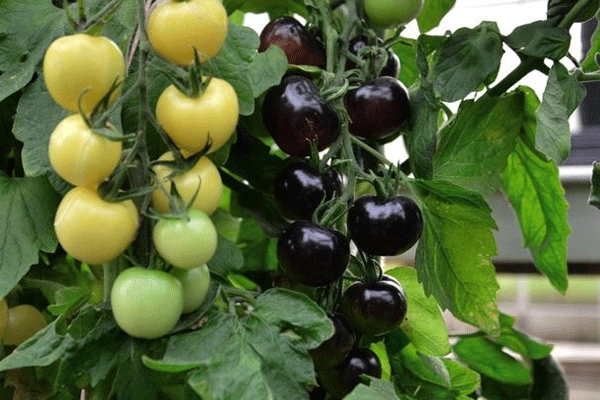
x: 334, y: 350
x: 374, y: 308
x: 378, y: 108
x: 391, y: 67
x: 384, y: 226
x: 298, y: 45
x: 312, y: 255
x: 317, y: 393
x: 299, y: 190
x: 341, y: 380
x: 294, y: 113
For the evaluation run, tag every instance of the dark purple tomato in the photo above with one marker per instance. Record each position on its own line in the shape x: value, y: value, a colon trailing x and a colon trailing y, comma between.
x: 317, y: 393
x: 334, y: 350
x: 295, y: 113
x: 299, y: 190
x: 298, y: 45
x: 341, y: 380
x: 391, y: 67
x: 384, y: 226
x: 374, y: 308
x: 378, y: 108
x: 311, y: 254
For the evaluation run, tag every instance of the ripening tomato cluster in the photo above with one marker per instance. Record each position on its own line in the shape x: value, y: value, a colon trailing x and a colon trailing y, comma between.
x: 88, y: 227
x: 19, y: 323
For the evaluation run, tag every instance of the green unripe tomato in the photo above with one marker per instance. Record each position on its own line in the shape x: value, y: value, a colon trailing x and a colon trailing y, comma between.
x: 24, y: 321
x: 387, y: 13
x: 195, y: 283
x: 146, y: 303
x: 3, y: 317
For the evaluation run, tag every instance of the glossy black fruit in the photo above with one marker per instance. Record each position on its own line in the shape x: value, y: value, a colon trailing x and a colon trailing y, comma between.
x: 340, y: 381
x: 298, y: 45
x: 391, y: 67
x: 295, y: 113
x: 384, y: 226
x: 312, y: 255
x: 374, y: 308
x: 378, y: 108
x: 334, y: 350
x: 299, y: 190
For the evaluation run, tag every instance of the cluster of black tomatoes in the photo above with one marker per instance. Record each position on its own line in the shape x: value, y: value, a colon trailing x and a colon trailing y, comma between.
x: 311, y: 254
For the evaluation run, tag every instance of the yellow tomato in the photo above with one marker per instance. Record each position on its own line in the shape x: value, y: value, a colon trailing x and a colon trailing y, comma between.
x: 92, y: 229
x: 203, y: 177
x: 79, y: 62
x: 175, y: 28
x: 3, y: 317
x: 24, y: 321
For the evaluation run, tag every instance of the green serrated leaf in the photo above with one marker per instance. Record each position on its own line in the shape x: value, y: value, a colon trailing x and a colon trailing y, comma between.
x: 422, y: 139
x: 27, y: 212
x: 406, y: 51
x: 466, y: 60
x: 475, y: 145
x: 487, y: 358
x: 377, y: 390
x: 424, y: 324
x: 457, y: 268
x: 541, y: 39
x: 432, y: 13
x: 520, y: 342
x: 589, y: 62
x: 267, y: 70
x: 561, y: 97
x: 67, y: 298
x: 227, y: 258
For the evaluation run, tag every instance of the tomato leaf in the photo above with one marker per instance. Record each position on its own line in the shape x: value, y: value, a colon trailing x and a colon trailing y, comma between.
x: 589, y: 62
x: 594, y: 198
x: 474, y: 147
x: 533, y: 188
x: 424, y: 324
x: 549, y: 381
x: 267, y: 69
x: 466, y: 60
x: 261, y: 356
x: 227, y: 258
x: 377, y: 390
x: 432, y: 13
x: 457, y: 268
x: 422, y: 139
x: 487, y: 358
x: 561, y: 97
x: 540, y: 39
x: 27, y: 212
x: 520, y: 342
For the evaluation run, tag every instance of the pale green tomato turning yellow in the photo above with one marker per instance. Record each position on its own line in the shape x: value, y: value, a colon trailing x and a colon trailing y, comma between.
x: 79, y: 155
x: 93, y: 230
x: 3, y: 317
x: 190, y: 120
x: 24, y: 321
x: 203, y: 177
x: 81, y: 62
x: 146, y: 303
x: 176, y: 28
x: 195, y: 283
x: 186, y: 243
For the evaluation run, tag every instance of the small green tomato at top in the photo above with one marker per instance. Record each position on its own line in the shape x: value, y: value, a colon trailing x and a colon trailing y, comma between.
x: 388, y: 13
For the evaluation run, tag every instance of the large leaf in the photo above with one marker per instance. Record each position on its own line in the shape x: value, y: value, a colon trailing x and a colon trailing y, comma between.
x: 453, y: 258
x: 466, y: 60
x: 533, y: 187
x: 421, y: 141
x: 562, y: 95
x: 540, y: 39
x: 549, y: 381
x: 475, y: 146
x: 520, y: 342
x: 27, y: 213
x: 424, y: 325
x: 589, y: 62
x: 377, y: 390
x: 432, y: 13
x: 261, y: 356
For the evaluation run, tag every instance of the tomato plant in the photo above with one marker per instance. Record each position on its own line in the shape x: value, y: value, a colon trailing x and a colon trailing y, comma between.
x: 146, y: 303
x: 85, y: 66
x: 276, y: 281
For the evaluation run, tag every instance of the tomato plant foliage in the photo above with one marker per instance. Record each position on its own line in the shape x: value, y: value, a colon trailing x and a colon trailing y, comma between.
x: 470, y: 133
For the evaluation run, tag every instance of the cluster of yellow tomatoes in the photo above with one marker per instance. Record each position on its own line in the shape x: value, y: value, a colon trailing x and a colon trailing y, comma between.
x: 85, y: 151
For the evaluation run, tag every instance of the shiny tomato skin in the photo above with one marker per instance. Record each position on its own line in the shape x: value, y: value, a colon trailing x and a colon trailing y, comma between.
x: 334, y: 350
x: 312, y: 255
x: 378, y: 109
x: 299, y: 189
x: 79, y: 155
x: 384, y: 226
x: 189, y: 121
x: 203, y: 177
x: 291, y: 36
x: 294, y: 114
x: 186, y: 243
x: 175, y: 28
x: 195, y: 283
x: 23, y: 322
x: 93, y: 230
x: 388, y: 13
x: 146, y: 303
x: 374, y: 308
x: 78, y: 62
x: 341, y: 380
